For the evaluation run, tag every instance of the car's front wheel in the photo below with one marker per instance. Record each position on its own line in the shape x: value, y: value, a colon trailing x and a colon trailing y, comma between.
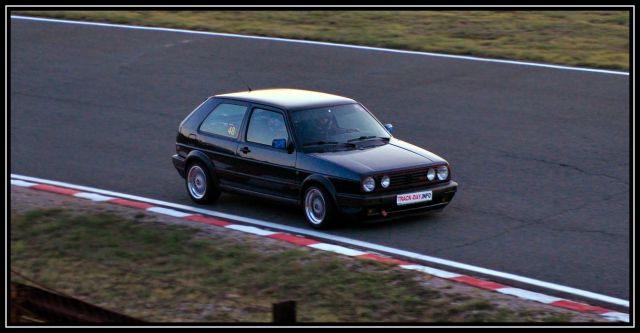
x: 200, y: 185
x: 318, y: 208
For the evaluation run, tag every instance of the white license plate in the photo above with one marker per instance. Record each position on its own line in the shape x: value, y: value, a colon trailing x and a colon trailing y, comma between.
x: 409, y: 198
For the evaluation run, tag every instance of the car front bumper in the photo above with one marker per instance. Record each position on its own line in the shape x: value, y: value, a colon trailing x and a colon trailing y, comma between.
x: 384, y: 206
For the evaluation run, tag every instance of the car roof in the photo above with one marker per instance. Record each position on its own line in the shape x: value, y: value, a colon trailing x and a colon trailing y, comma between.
x: 289, y: 99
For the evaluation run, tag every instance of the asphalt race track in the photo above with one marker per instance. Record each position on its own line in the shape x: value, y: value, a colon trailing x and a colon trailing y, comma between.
x: 541, y: 154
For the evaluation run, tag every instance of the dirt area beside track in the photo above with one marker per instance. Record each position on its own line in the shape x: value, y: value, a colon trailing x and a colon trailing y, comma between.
x: 164, y: 269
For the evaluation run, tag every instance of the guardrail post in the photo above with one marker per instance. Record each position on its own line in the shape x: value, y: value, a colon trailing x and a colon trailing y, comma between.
x: 284, y: 312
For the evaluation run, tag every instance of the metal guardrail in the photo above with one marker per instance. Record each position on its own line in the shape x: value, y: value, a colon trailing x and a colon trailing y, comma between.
x: 38, y: 303
x: 32, y: 305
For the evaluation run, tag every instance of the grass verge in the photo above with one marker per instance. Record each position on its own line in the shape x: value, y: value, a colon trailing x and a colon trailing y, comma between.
x: 591, y: 38
x: 170, y: 273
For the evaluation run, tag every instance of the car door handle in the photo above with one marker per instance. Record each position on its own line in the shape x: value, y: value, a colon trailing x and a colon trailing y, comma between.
x: 245, y: 150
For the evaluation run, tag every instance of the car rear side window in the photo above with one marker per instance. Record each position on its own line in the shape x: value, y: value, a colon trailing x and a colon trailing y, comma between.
x: 265, y: 126
x: 225, y: 120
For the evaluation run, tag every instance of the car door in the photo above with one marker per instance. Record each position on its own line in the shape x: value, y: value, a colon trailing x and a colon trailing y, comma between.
x: 218, y: 137
x: 268, y: 165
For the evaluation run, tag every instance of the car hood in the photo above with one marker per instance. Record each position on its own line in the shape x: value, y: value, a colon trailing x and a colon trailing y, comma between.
x: 391, y: 156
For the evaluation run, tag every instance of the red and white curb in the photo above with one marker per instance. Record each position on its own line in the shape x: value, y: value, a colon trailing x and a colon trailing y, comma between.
x: 308, y: 242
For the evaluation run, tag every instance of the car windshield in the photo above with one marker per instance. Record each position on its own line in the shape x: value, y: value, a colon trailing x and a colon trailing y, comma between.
x: 336, y: 125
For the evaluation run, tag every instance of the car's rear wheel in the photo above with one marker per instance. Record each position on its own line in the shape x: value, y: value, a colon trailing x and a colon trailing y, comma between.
x: 202, y: 188
x: 318, y: 208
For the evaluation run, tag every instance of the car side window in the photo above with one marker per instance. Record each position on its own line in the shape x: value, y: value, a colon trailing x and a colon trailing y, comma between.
x: 265, y: 126
x: 225, y: 120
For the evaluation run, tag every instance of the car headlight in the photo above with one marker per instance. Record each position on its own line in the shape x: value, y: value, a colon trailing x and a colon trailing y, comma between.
x: 385, y: 181
x: 431, y: 174
x: 368, y: 184
x: 443, y: 172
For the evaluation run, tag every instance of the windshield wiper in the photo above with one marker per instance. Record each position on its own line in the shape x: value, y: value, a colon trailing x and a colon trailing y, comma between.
x: 320, y: 143
x: 326, y: 143
x: 367, y: 138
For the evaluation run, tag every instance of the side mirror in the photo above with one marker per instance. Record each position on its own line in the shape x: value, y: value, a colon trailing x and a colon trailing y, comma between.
x: 279, y: 143
x: 389, y: 127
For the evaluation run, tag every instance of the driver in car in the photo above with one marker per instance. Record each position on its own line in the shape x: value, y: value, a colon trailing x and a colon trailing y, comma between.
x: 277, y: 128
x: 323, y: 126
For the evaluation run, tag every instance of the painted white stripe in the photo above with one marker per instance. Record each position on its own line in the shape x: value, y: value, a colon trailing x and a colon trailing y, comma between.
x: 343, y: 240
x: 337, y: 249
x: 616, y: 316
x: 251, y: 230
x: 21, y: 183
x: 431, y: 271
x: 368, y: 48
x: 170, y: 212
x: 92, y: 196
x: 542, y: 298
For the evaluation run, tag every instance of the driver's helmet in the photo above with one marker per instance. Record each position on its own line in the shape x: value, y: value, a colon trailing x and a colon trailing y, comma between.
x: 272, y: 123
x: 276, y: 125
x: 325, y: 119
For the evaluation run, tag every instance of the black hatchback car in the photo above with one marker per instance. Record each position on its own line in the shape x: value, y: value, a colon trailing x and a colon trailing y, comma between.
x: 326, y: 153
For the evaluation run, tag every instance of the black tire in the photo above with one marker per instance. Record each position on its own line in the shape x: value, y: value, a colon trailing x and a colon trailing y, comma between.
x: 201, y: 186
x: 318, y: 208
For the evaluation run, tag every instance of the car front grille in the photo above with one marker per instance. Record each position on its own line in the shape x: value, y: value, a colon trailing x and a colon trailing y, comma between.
x: 409, y: 179
x: 414, y: 177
